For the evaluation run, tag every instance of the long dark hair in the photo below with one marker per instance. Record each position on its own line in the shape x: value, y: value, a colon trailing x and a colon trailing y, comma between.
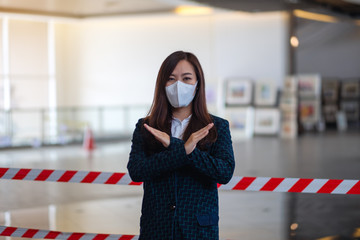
x: 160, y: 114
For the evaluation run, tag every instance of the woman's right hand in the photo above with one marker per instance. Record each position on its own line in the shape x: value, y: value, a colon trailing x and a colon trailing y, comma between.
x: 162, y: 137
x: 196, y: 137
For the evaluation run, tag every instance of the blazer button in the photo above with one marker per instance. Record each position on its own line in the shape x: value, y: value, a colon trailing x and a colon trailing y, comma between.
x: 172, y: 207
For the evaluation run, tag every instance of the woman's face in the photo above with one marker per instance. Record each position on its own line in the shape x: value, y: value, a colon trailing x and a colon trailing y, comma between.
x: 183, y: 72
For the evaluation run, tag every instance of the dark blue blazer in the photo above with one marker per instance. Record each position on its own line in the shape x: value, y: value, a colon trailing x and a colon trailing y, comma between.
x: 180, y: 191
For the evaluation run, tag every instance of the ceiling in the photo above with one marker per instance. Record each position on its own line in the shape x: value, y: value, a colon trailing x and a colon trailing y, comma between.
x: 94, y: 8
x: 345, y: 7
x: 85, y: 8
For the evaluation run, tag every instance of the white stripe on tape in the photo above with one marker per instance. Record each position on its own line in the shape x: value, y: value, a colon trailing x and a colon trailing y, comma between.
x: 78, y: 176
x: 125, y: 179
x: 257, y: 184
x: 11, y: 173
x: 344, y: 186
x: 102, y: 178
x: 33, y: 174
x: 315, y: 185
x: 54, y: 176
x: 286, y: 184
x: 230, y: 185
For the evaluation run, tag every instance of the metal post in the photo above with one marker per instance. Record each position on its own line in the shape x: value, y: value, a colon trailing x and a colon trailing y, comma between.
x: 292, y: 50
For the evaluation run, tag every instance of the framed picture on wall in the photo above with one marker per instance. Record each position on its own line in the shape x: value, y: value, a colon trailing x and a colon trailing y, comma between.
x: 288, y: 102
x: 267, y: 121
x: 330, y: 89
x: 241, y: 121
x: 238, y: 92
x: 351, y: 109
x: 290, y: 84
x: 330, y: 112
x: 350, y: 89
x: 265, y: 94
x: 309, y: 85
x: 289, y: 127
x: 309, y: 111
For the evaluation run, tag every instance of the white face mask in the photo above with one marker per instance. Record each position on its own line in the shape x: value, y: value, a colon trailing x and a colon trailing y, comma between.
x: 180, y: 94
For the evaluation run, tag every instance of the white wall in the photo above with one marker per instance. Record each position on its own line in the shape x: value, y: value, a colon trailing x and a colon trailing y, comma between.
x: 252, y: 45
x: 115, y: 61
x: 331, y: 49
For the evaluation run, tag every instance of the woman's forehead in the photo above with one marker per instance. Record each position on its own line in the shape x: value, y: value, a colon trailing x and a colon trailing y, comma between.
x: 183, y: 66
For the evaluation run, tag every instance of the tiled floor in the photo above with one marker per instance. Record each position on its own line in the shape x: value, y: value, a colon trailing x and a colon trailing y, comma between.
x: 244, y: 215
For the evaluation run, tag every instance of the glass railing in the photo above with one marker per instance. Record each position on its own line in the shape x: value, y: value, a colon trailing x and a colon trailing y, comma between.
x: 37, y: 127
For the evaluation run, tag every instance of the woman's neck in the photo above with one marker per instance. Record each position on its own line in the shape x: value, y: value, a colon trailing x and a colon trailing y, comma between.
x: 183, y: 112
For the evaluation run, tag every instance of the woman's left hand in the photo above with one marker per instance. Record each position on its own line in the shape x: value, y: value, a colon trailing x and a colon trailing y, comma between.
x: 163, y: 137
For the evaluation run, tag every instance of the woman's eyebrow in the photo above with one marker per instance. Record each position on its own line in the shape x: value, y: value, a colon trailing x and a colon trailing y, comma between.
x: 186, y: 74
x: 174, y: 75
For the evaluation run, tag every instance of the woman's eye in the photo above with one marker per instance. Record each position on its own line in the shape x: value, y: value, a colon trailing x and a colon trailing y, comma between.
x: 187, y: 79
x: 171, y: 79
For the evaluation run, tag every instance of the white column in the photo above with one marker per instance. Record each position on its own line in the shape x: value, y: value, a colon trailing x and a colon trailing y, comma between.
x: 7, y: 222
x: 6, y: 65
x: 52, y: 83
x: 52, y: 217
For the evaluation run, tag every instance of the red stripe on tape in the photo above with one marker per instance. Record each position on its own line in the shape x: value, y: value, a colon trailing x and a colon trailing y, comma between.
x: 329, y: 186
x: 91, y: 177
x: 126, y: 237
x: 101, y: 236
x: 135, y: 183
x: 76, y: 236
x: 114, y: 178
x: 21, y: 174
x: 3, y: 171
x: 244, y: 183
x: 300, y: 185
x: 272, y: 184
x: 30, y: 233
x: 8, y: 231
x: 67, y: 176
x: 52, y: 235
x: 355, y: 189
x: 44, y: 175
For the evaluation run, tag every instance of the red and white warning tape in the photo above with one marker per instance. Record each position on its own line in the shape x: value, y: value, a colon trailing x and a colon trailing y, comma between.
x: 47, y: 175
x: 299, y: 185
x: 46, y: 234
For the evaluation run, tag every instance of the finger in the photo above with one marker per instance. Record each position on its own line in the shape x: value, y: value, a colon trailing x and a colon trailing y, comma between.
x: 204, y: 129
x: 200, y: 135
x: 152, y: 130
x: 209, y: 126
x: 159, y: 135
x: 148, y: 127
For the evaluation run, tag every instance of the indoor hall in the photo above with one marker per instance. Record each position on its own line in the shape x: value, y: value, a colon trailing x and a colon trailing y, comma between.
x: 76, y: 77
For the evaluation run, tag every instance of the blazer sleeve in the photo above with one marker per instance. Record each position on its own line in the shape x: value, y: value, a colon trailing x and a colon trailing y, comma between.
x: 142, y: 167
x: 218, y: 164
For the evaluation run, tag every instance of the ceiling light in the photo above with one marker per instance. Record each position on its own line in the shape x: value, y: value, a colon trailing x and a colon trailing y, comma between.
x: 314, y: 16
x: 294, y: 226
x: 294, y: 41
x: 193, y: 10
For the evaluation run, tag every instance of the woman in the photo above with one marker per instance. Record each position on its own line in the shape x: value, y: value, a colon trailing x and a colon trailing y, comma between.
x: 180, y: 152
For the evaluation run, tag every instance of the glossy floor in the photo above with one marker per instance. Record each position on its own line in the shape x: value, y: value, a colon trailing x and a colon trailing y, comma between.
x: 243, y: 215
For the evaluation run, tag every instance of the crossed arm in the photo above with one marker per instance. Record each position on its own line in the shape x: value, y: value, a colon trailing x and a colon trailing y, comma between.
x: 218, y: 165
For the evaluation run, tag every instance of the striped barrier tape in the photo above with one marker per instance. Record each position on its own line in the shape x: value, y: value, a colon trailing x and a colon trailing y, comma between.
x: 49, y: 175
x: 46, y: 234
x: 299, y: 185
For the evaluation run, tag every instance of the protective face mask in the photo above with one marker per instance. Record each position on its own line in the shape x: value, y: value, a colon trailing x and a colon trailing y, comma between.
x: 180, y: 94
